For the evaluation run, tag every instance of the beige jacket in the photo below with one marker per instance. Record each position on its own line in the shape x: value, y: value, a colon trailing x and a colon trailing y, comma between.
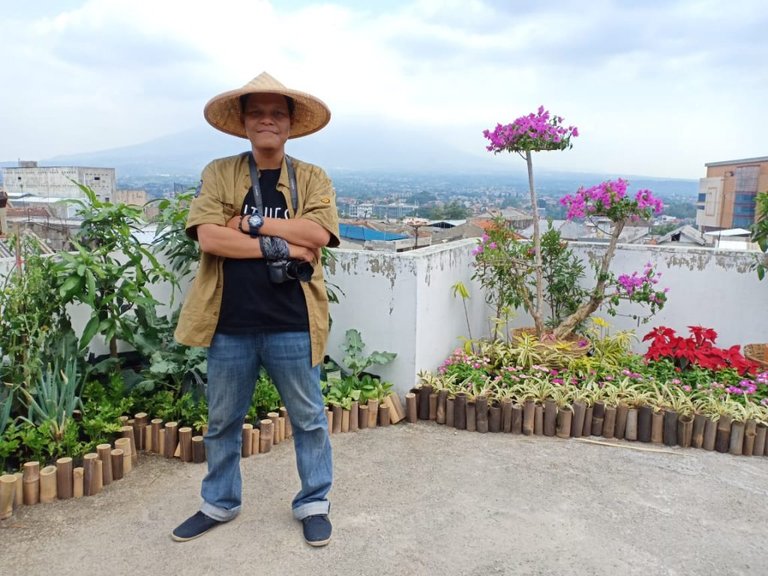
x: 223, y: 188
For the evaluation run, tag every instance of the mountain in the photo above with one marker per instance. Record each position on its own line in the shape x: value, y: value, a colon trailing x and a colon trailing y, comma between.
x: 360, y: 144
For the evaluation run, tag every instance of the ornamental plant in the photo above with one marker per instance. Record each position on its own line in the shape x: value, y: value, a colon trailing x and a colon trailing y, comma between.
x: 535, y: 132
x: 697, y: 350
x: 760, y: 233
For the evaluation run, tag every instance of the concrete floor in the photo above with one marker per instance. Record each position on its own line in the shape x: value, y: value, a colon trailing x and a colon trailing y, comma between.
x: 424, y: 499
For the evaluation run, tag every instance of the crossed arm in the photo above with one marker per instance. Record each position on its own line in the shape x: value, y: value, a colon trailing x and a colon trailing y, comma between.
x: 304, y: 237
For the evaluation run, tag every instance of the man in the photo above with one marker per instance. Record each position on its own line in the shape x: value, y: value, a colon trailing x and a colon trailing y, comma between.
x: 259, y: 298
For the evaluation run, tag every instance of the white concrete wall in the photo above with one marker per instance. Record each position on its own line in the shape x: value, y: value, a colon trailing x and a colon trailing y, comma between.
x: 403, y: 302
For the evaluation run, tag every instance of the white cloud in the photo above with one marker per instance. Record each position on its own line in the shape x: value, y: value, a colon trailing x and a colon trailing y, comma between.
x: 656, y: 88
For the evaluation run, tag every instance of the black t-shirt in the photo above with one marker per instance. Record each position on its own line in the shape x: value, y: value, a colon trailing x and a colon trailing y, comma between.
x: 250, y: 301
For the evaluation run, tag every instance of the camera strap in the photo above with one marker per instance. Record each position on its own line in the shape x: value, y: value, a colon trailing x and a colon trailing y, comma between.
x: 257, y: 189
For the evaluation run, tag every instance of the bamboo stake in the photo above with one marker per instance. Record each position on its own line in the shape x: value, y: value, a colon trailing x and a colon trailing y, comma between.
x: 329, y: 418
x: 7, y: 495
x: 247, y: 447
x: 630, y: 430
x: 255, y: 438
x: 362, y: 416
x: 48, y: 484
x: 494, y: 418
x: 274, y: 416
x: 124, y: 444
x: 481, y: 414
x: 105, y: 455
x: 588, y: 414
x: 684, y: 431
x: 471, y: 416
x: 336, y: 409
x: 89, y: 474
x: 506, y: 415
x: 644, y: 423
x: 750, y: 431
x: 432, y: 406
x: 550, y: 417
x: 139, y: 425
x: 354, y: 411
x: 99, y: 475
x: 265, y: 440
x: 161, y: 441
x: 759, y: 447
x: 171, y: 438
x: 517, y: 419
x: 598, y: 414
x: 116, y: 456
x: 384, y: 415
x: 621, y: 421
x: 157, y: 425
x: 538, y: 420
x: 31, y: 482
x: 288, y: 429
x: 529, y: 417
x: 697, y: 435
x: 198, y: 447
x: 18, y: 499
x: 127, y: 432
x: 563, y: 421
x: 424, y: 393
x: 737, y: 439
x: 710, y: 434
x: 449, y: 412
x: 185, y: 444
x: 609, y: 422
x: 670, y: 428
x: 577, y: 420
x: 281, y: 428
x: 657, y: 427
x: 722, y: 441
x: 460, y: 411
x: 344, y: 420
x: 77, y: 482
x: 442, y: 399
x: 64, y: 478
x: 373, y: 412
x: 411, y: 412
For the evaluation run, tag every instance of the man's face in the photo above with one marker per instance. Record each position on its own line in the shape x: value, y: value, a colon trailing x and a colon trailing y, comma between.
x: 267, y: 121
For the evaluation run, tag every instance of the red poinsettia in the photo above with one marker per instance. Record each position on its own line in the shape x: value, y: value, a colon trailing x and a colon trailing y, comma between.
x: 698, y: 349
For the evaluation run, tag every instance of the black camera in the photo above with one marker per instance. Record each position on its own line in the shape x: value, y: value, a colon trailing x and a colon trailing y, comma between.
x: 284, y: 270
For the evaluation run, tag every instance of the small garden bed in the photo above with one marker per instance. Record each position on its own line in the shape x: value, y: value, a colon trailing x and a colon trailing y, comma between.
x: 683, y: 392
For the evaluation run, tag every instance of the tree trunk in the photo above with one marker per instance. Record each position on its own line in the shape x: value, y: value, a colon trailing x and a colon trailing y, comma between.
x: 535, y: 310
x: 583, y: 312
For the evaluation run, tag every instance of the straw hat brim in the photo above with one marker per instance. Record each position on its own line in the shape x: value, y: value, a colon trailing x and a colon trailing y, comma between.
x: 223, y: 111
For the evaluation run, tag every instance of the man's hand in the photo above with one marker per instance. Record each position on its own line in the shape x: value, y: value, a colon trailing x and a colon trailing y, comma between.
x: 302, y: 253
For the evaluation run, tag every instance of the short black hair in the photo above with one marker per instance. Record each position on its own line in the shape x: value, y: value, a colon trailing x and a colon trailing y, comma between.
x: 288, y: 99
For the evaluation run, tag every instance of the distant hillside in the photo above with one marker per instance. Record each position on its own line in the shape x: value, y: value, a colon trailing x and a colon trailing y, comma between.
x: 359, y: 144
x: 353, y: 148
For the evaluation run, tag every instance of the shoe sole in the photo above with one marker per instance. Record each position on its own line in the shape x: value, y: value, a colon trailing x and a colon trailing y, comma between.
x: 318, y: 543
x: 183, y: 539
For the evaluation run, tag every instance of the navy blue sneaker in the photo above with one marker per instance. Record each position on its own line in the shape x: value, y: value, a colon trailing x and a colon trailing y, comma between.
x: 193, y: 527
x: 317, y: 529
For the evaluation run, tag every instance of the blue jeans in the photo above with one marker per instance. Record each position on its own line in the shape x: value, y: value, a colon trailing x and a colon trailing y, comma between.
x: 234, y: 362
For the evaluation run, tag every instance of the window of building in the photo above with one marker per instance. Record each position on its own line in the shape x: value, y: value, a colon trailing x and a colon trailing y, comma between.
x: 744, y: 209
x: 742, y: 222
x: 702, y: 197
x: 746, y: 179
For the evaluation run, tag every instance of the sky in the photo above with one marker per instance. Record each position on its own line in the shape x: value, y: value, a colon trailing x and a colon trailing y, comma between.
x: 655, y: 87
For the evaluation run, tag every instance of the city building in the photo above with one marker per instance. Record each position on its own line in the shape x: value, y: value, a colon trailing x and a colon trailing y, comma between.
x: 727, y: 194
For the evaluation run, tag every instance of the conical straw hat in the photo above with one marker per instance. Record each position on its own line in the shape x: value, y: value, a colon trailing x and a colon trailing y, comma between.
x: 223, y: 111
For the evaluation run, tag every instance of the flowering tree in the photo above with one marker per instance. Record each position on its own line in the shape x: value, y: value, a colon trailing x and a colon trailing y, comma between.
x: 533, y: 133
x: 610, y: 200
x: 760, y: 233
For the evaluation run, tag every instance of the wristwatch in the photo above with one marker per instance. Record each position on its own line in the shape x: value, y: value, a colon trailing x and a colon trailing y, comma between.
x: 255, y: 222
